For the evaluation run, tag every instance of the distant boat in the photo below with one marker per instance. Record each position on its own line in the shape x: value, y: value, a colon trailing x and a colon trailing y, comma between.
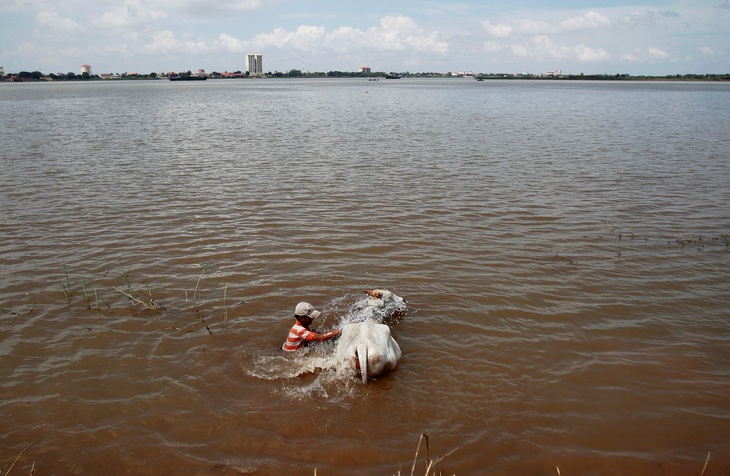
x: 188, y: 78
x: 392, y: 76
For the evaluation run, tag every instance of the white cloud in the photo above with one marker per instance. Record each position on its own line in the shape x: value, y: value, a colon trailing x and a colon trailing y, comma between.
x: 129, y: 15
x: 303, y: 38
x: 707, y: 50
x: 641, y: 55
x: 206, y: 7
x: 400, y: 24
x: 500, y: 31
x: 51, y: 20
x: 163, y: 42
x: 525, y: 26
x: 426, y: 44
x: 587, y: 54
x: 395, y: 33
x: 587, y: 21
x: 647, y: 18
x: 532, y: 27
x: 492, y: 46
x: 230, y: 43
x: 656, y: 53
x: 542, y: 46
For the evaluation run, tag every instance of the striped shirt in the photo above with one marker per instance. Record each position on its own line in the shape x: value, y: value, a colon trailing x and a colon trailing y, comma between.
x: 297, y: 336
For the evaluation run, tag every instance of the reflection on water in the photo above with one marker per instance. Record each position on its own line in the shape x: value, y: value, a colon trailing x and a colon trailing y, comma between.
x: 563, y: 247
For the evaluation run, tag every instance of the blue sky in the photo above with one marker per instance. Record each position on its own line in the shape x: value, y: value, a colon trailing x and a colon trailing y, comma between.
x: 655, y: 37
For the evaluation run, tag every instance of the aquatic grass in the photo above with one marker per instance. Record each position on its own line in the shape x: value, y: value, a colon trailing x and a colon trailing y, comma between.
x: 618, y: 234
x: 138, y: 297
x: 66, y: 286
x: 93, y: 288
x: 87, y: 296
x: 225, y: 306
x: 682, y: 239
x: 205, y: 267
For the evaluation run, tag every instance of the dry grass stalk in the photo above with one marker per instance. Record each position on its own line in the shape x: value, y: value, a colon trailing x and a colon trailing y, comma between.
x: 148, y: 302
x: 225, y: 307
x: 206, y: 266
x: 21, y: 454
x: 704, y: 468
x: 203, y: 321
x: 429, y: 463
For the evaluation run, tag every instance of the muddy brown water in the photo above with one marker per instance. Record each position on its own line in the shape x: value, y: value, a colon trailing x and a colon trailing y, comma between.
x: 563, y: 248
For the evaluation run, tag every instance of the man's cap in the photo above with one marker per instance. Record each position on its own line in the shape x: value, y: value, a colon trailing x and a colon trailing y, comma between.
x: 305, y: 309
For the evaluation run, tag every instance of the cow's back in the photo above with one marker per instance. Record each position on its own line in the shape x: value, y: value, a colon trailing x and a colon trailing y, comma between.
x: 369, y: 345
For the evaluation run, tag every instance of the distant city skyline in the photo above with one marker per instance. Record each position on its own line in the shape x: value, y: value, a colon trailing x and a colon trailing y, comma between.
x: 637, y: 37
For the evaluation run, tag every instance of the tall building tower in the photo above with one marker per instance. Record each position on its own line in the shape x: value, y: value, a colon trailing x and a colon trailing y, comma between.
x: 85, y: 68
x: 255, y: 66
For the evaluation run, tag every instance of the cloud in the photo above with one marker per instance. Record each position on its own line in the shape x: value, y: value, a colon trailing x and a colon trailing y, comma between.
x: 426, y: 44
x: 543, y: 47
x: 201, y: 8
x: 587, y: 21
x: 51, y: 20
x: 129, y: 15
x: 395, y: 33
x: 525, y: 26
x: 499, y: 31
x: 656, y: 53
x: 642, y: 19
x: 642, y: 55
x: 532, y: 27
x: 707, y: 50
x: 303, y: 38
x: 492, y: 46
x: 163, y: 42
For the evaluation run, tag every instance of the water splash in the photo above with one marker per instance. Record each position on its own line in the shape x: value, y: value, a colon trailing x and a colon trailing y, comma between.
x: 319, y: 359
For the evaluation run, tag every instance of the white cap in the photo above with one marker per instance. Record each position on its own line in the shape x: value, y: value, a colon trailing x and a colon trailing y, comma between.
x: 306, y: 309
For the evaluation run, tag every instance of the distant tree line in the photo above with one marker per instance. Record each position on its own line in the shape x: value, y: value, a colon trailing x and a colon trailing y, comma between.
x: 296, y: 73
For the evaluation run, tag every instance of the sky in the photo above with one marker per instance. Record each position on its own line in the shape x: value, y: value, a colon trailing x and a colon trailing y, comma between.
x: 636, y: 37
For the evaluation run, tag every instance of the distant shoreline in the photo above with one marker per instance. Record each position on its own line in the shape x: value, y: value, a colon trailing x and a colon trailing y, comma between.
x: 37, y: 77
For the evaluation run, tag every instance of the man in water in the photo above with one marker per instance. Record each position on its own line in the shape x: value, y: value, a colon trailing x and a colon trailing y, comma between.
x: 300, y: 334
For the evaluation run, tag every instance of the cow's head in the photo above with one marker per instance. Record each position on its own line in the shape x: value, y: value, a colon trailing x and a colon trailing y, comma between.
x: 388, y: 300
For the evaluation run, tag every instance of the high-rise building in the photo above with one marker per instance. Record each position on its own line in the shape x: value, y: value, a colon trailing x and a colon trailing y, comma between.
x: 255, y: 66
x: 85, y: 68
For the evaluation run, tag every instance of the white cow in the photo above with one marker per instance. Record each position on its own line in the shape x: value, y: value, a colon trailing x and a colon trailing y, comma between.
x: 366, y: 345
